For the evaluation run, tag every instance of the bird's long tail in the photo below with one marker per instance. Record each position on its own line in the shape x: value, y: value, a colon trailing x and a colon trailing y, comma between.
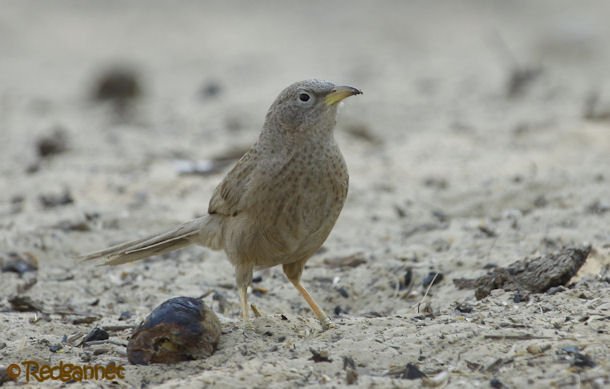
x: 204, y: 231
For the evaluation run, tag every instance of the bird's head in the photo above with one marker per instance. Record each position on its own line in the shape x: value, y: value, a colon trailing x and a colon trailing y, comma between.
x: 308, y: 105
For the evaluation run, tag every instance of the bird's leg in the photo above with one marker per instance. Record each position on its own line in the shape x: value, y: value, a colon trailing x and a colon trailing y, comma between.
x: 243, y: 301
x: 293, y: 272
x: 320, y: 314
x: 243, y: 279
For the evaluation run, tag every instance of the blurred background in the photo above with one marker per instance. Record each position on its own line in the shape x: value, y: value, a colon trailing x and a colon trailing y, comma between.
x: 206, y: 68
x: 124, y: 85
x: 107, y: 105
x: 482, y: 137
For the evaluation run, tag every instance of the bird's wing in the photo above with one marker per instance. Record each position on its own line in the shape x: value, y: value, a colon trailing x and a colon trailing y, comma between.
x: 231, y: 195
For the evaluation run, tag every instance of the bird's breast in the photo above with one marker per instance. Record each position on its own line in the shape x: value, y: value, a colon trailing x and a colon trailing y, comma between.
x: 303, y: 202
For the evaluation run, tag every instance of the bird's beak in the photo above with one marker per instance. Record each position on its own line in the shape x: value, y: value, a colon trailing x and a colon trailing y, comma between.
x: 339, y: 93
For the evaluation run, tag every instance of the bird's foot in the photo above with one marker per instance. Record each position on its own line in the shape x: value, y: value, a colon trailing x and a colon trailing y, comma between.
x: 327, y: 324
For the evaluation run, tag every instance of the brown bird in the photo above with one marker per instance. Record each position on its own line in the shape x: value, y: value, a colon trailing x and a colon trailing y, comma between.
x: 278, y: 203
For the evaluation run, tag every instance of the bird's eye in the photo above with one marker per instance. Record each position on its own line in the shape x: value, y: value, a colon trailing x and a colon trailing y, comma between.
x: 304, y: 97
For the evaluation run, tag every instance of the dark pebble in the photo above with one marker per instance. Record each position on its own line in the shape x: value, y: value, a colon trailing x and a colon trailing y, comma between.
x: 406, y: 279
x: 55, y: 348
x: 464, y: 308
x: 96, y: 334
x: 319, y: 356
x: 438, y: 183
x: 578, y: 359
x: 52, y: 144
x: 412, y: 372
x: 4, y: 377
x: 125, y: 315
x: 117, y: 84
x: 56, y: 200
x: 520, y: 298
x: 343, y: 292
x: 488, y: 232
x: 348, y: 362
x: 440, y: 215
x: 210, y: 89
x: 338, y: 310
x: 18, y: 262
x: 428, y: 279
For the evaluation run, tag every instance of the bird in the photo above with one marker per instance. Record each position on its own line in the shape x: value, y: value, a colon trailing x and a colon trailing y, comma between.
x: 278, y: 203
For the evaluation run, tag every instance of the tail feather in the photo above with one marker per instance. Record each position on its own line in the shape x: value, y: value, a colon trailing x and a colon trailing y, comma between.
x: 198, y: 231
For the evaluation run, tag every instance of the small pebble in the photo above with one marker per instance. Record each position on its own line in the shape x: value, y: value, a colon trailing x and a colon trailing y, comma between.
x: 55, y: 348
x: 319, y: 356
x: 496, y: 383
x: 412, y: 372
x: 117, y: 84
x: 537, y: 348
x: 519, y: 298
x: 96, y: 334
x: 578, y: 359
x: 52, y: 200
x: 125, y: 315
x: 18, y: 262
x: 430, y: 277
x: 210, y: 89
x: 100, y: 351
x: 406, y: 279
x: 343, y: 292
x: 351, y: 373
x: 464, y: 308
x: 52, y: 144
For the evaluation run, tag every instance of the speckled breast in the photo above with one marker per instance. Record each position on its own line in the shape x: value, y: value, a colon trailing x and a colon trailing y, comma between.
x: 307, y: 199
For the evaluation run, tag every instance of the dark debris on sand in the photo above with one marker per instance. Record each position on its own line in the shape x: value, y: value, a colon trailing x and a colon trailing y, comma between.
x: 535, y: 275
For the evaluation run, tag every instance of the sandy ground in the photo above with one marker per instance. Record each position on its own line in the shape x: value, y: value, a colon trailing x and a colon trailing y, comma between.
x: 450, y: 172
